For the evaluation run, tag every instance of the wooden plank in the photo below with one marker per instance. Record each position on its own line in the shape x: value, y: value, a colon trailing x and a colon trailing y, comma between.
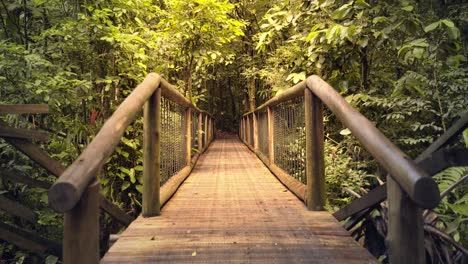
x: 28, y: 240
x: 44, y: 160
x: 200, y: 132
x: 188, y: 136
x: 18, y: 178
x: 10, y: 132
x: 453, y: 131
x: 315, y: 158
x: 35, y: 153
x: 405, y: 236
x: 295, y: 186
x: 24, y: 109
x: 81, y: 229
x: 271, y: 135
x: 231, y: 209
x: 114, y: 211
x: 17, y: 209
x: 170, y: 187
x: 152, y: 156
x: 433, y: 164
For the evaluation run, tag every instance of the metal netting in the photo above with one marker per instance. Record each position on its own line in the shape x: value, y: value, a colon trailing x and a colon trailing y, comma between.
x: 262, y: 127
x: 173, y: 143
x: 194, y: 132
x: 251, y: 129
x: 289, y: 138
x: 203, y: 130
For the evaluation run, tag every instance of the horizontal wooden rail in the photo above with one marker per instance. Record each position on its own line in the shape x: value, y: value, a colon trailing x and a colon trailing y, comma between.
x: 66, y: 192
x: 409, y: 186
x: 24, y: 109
x: 72, y: 192
x: 421, y: 188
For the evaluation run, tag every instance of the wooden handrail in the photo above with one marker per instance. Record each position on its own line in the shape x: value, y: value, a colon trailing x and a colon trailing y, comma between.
x: 67, y: 190
x: 421, y: 188
x: 409, y: 186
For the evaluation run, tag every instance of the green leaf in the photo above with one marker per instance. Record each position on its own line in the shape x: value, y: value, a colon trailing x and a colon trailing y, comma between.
x: 343, y: 11
x: 361, y: 4
x: 465, y: 137
x: 408, y: 8
x: 432, y: 26
x: 448, y: 23
x: 125, y: 186
x: 345, y: 132
x: 418, y: 52
x: 461, y: 209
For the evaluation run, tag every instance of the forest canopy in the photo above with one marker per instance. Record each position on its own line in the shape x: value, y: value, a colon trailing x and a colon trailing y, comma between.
x: 402, y: 63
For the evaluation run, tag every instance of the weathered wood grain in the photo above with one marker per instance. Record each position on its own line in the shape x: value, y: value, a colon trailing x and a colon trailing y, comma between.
x: 28, y: 240
x: 7, y: 131
x: 17, y: 209
x: 35, y: 153
x: 231, y: 209
x: 24, y: 109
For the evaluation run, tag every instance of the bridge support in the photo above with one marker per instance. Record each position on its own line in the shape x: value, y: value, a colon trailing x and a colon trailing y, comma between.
x: 315, y: 162
x: 81, y: 229
x: 151, y: 156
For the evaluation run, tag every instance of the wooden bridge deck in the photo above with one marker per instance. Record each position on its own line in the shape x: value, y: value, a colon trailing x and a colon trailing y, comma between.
x: 231, y: 209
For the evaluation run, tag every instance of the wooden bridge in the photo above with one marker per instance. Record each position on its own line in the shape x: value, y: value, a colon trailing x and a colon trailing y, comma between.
x: 231, y: 209
x: 256, y: 197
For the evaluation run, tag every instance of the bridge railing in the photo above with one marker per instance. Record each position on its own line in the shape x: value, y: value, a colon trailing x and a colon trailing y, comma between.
x: 286, y: 132
x: 175, y: 134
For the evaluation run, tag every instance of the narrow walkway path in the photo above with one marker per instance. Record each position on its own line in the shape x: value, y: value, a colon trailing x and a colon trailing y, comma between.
x: 231, y: 209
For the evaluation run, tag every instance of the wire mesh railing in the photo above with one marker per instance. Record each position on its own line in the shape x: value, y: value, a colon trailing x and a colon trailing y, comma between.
x: 173, y: 143
x: 289, y: 137
x: 194, y: 134
x: 262, y: 122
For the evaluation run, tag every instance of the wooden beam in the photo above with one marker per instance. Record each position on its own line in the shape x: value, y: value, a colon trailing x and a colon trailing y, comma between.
x: 17, y: 209
x: 35, y: 153
x: 18, y: 178
x: 21, y: 133
x: 315, y: 158
x: 44, y: 160
x: 24, y: 109
x: 200, y: 131
x: 152, y: 156
x: 433, y: 164
x: 28, y: 240
x: 81, y: 229
x: 188, y: 136
x: 271, y: 135
x: 114, y: 211
x: 405, y: 236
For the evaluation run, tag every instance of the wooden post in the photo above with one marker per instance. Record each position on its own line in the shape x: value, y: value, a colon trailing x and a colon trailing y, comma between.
x: 188, y: 135
x: 205, y: 129
x: 248, y: 129
x: 315, y: 163
x: 271, y: 135
x: 81, y: 229
x: 200, y: 140
x: 405, y: 237
x: 151, y: 156
x: 241, y: 128
x: 255, y: 131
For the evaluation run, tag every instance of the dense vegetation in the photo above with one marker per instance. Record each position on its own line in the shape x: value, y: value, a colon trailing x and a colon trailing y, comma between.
x: 402, y: 63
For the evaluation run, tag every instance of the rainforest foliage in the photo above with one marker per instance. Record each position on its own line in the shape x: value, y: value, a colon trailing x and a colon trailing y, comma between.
x: 402, y: 63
